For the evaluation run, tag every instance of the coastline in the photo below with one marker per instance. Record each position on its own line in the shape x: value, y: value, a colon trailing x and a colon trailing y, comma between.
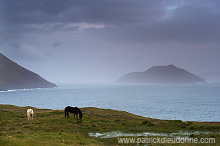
x: 113, y: 110
x: 48, y: 126
x: 182, y: 102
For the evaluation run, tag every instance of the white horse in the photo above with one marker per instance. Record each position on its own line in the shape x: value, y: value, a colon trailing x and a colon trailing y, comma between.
x: 30, y: 114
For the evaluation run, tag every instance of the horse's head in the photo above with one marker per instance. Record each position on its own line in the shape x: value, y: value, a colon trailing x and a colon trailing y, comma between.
x: 80, y: 115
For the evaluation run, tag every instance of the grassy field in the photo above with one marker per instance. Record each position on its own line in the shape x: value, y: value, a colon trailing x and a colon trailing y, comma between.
x: 50, y: 127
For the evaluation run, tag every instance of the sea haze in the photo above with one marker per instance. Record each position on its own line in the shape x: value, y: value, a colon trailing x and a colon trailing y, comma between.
x: 187, y: 102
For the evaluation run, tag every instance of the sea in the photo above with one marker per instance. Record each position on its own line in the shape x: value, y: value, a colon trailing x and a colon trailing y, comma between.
x: 186, y: 102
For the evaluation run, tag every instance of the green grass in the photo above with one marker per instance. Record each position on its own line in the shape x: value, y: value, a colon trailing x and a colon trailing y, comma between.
x: 50, y: 127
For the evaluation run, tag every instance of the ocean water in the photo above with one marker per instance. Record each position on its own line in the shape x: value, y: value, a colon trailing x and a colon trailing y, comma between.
x: 187, y: 102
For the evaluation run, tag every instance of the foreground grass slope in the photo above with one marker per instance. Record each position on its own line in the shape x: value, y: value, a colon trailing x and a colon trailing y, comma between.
x: 49, y: 127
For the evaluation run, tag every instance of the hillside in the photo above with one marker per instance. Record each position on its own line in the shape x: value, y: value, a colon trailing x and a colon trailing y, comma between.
x: 161, y: 74
x: 97, y: 127
x: 14, y: 76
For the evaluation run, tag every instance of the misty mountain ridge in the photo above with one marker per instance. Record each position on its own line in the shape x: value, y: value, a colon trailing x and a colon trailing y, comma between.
x: 161, y: 74
x: 14, y: 76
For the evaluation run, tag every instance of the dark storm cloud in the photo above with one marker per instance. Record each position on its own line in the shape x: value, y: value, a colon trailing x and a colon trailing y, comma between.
x: 27, y: 14
x: 152, y: 20
x: 51, y: 11
x: 32, y: 11
x: 191, y: 22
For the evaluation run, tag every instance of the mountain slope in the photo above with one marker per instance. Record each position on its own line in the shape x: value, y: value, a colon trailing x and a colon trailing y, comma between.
x: 161, y: 74
x: 14, y: 76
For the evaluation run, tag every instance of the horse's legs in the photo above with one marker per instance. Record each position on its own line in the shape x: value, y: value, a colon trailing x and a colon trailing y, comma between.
x: 67, y: 114
x: 76, y: 115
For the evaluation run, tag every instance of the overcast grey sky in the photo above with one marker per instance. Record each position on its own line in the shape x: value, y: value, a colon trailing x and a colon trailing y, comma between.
x: 71, y: 41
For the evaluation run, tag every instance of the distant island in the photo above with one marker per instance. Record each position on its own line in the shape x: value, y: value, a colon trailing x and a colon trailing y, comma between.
x: 14, y: 76
x: 161, y: 74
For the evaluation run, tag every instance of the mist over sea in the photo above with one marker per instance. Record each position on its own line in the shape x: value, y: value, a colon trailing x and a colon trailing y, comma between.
x: 187, y: 102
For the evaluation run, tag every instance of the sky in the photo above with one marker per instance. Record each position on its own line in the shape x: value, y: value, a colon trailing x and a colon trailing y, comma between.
x: 86, y: 41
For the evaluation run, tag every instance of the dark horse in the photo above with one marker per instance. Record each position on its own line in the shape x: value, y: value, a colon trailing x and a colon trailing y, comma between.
x: 74, y: 110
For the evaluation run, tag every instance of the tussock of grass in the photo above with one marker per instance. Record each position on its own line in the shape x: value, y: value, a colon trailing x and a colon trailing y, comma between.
x: 50, y: 127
